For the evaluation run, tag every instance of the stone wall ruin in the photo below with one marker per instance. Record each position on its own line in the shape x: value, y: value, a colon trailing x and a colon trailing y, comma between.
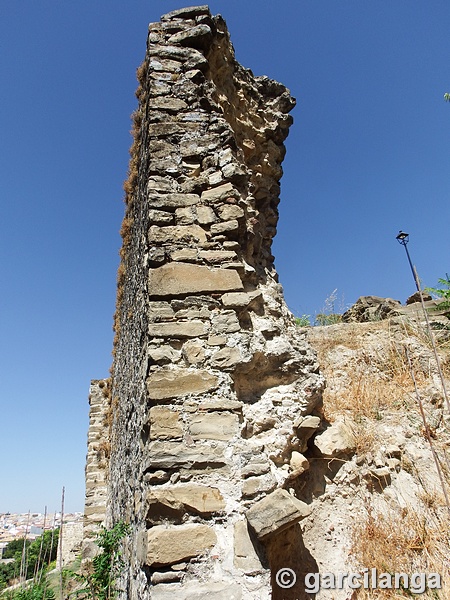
x: 214, y: 390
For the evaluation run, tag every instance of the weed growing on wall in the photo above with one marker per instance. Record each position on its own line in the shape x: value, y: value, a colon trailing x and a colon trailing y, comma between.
x: 106, y: 566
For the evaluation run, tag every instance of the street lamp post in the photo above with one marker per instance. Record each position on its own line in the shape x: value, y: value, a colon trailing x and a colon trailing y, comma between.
x: 403, y: 239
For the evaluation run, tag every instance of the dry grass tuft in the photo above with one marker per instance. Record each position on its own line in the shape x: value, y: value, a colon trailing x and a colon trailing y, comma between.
x: 377, y: 378
x: 405, y: 542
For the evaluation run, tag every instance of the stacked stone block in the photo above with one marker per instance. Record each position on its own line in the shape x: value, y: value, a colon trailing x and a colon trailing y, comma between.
x: 211, y: 379
x: 97, y: 463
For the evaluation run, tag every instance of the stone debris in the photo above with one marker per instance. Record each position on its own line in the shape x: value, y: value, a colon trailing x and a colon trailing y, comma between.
x: 276, y: 512
x: 337, y: 440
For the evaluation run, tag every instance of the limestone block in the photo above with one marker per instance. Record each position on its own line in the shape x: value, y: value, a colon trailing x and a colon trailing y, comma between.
x: 226, y: 322
x: 199, y: 36
x: 175, y: 279
x: 233, y: 171
x: 217, y: 340
x: 157, y: 477
x: 214, y: 426
x: 160, y: 217
x: 186, y: 13
x: 169, y: 201
x: 193, y: 313
x: 162, y: 506
x: 161, y: 77
x: 194, y: 148
x: 217, y: 256
x: 165, y: 423
x: 165, y: 65
x: 226, y: 590
x: 224, y: 227
x: 226, y: 358
x: 205, y: 215
x: 192, y: 58
x: 245, y: 556
x: 232, y: 245
x: 201, y: 499
x: 173, y: 455
x: 159, y: 86
x: 169, y: 164
x: 166, y: 577
x: 157, y: 183
x: 172, y: 383
x: 298, y: 463
x: 228, y: 212
x: 156, y: 256
x: 163, y: 354
x: 337, y: 440
x: 256, y: 467
x: 225, y: 156
x: 306, y: 427
x: 160, y: 310
x: 309, y: 422
x: 184, y: 215
x: 173, y: 105
x: 220, y: 403
x: 215, y: 178
x: 170, y: 233
x: 161, y: 148
x: 187, y: 254
x: 255, y: 485
x: 219, y: 193
x: 193, y: 352
x: 276, y: 512
x: 169, y: 545
x: 178, y: 329
x: 239, y: 299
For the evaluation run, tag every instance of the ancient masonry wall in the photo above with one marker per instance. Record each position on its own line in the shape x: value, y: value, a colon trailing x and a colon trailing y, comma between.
x: 214, y: 391
x: 97, y: 463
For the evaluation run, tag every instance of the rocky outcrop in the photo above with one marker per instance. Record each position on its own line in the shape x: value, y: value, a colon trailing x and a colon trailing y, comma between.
x: 211, y: 380
x: 374, y: 308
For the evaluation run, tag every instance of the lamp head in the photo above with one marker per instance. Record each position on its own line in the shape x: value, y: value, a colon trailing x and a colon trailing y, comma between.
x: 402, y: 237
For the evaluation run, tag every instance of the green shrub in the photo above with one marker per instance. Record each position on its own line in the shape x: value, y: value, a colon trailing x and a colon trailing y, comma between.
x: 106, y: 566
x: 303, y: 321
x: 442, y: 292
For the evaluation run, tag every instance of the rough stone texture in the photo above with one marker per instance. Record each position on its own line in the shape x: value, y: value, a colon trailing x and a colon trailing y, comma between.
x: 374, y: 308
x: 175, y: 279
x: 198, y: 591
x: 169, y: 545
x: 276, y: 512
x: 165, y: 423
x: 200, y: 499
x: 392, y: 472
x: 72, y: 540
x: 210, y: 372
x: 245, y: 556
x: 337, y: 440
x: 213, y: 426
x: 179, y: 382
x: 97, y: 459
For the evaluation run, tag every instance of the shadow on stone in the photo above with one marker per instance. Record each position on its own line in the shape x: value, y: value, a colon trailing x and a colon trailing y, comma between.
x: 287, y: 550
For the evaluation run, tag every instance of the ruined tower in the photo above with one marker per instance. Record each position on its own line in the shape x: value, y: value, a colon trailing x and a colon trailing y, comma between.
x: 214, y: 391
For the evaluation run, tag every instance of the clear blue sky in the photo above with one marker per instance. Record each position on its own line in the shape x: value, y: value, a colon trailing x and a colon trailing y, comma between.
x: 368, y: 154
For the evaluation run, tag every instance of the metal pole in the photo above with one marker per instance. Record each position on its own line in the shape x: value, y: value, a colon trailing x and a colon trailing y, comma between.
x: 402, y: 238
x: 403, y: 243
